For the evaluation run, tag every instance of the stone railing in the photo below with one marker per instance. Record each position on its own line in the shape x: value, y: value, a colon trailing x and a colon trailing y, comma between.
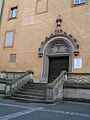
x: 12, y: 85
x: 77, y: 87
x: 10, y: 75
x: 78, y: 77
x: 13, y: 75
x: 77, y: 81
x: 55, y: 89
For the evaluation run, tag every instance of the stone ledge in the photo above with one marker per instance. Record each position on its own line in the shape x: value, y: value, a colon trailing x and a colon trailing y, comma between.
x: 77, y: 85
x: 76, y: 100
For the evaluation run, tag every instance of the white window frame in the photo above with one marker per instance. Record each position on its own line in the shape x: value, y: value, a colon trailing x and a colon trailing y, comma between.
x: 79, y: 2
x: 13, y: 12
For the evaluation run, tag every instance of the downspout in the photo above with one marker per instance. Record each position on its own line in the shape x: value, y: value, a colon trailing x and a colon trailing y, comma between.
x: 1, y: 10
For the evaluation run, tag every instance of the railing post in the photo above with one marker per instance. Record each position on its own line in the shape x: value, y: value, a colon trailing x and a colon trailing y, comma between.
x: 31, y: 76
x: 7, y: 88
x: 3, y: 74
x: 49, y: 94
x: 65, y: 77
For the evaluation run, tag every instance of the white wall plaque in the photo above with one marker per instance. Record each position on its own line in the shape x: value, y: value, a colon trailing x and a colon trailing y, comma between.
x: 77, y: 63
x: 9, y: 39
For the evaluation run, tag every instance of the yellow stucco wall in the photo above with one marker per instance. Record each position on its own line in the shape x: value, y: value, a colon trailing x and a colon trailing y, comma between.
x: 31, y: 29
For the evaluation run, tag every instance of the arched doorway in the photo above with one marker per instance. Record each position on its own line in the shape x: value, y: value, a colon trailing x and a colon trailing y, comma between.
x: 58, y: 55
x: 57, y: 52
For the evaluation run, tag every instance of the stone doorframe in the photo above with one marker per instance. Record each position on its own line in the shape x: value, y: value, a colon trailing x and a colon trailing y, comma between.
x: 58, y: 44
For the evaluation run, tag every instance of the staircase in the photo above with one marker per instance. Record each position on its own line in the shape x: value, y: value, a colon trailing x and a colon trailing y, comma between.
x: 31, y: 92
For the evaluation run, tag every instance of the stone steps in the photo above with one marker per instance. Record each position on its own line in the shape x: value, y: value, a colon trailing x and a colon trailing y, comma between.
x: 28, y: 100
x: 28, y: 96
x: 35, y: 86
x: 31, y: 92
x: 38, y: 93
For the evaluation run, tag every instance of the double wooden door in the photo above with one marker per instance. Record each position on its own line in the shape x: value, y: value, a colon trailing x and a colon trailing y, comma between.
x: 56, y: 65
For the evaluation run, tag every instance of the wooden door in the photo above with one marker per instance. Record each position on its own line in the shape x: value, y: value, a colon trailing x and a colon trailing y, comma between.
x: 56, y: 65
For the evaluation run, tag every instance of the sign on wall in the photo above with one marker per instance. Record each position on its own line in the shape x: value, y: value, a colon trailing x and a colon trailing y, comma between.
x: 78, y: 63
x: 9, y: 39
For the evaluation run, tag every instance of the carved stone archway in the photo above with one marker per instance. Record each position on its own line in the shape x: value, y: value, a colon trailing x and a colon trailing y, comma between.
x: 58, y: 44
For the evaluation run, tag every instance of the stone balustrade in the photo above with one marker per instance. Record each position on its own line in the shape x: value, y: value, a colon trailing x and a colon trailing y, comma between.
x: 10, y: 85
x: 78, y: 77
x: 10, y: 75
x: 65, y: 81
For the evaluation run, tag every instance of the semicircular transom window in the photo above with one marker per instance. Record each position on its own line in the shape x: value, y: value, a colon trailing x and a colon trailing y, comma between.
x: 59, y: 47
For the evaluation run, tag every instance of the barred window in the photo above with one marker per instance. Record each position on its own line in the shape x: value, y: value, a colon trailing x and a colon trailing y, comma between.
x: 12, y: 58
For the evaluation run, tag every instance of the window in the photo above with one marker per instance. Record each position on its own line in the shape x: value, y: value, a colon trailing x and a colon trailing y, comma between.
x: 12, y: 58
x: 77, y: 2
x: 9, y: 39
x: 41, y: 6
x: 13, y: 13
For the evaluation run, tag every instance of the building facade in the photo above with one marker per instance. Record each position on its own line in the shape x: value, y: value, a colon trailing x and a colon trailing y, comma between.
x: 46, y: 36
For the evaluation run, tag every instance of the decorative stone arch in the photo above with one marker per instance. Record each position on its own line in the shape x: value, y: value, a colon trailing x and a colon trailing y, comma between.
x: 58, y: 44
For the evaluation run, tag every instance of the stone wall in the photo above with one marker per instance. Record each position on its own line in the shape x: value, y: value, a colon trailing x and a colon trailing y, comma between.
x: 79, y: 94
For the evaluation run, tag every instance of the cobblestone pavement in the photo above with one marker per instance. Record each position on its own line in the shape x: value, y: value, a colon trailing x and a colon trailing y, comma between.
x: 12, y: 110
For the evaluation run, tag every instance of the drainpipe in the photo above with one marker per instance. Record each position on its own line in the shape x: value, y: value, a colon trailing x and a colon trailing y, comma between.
x: 1, y: 10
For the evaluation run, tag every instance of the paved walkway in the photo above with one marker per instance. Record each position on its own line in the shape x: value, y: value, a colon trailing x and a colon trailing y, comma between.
x: 12, y: 110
